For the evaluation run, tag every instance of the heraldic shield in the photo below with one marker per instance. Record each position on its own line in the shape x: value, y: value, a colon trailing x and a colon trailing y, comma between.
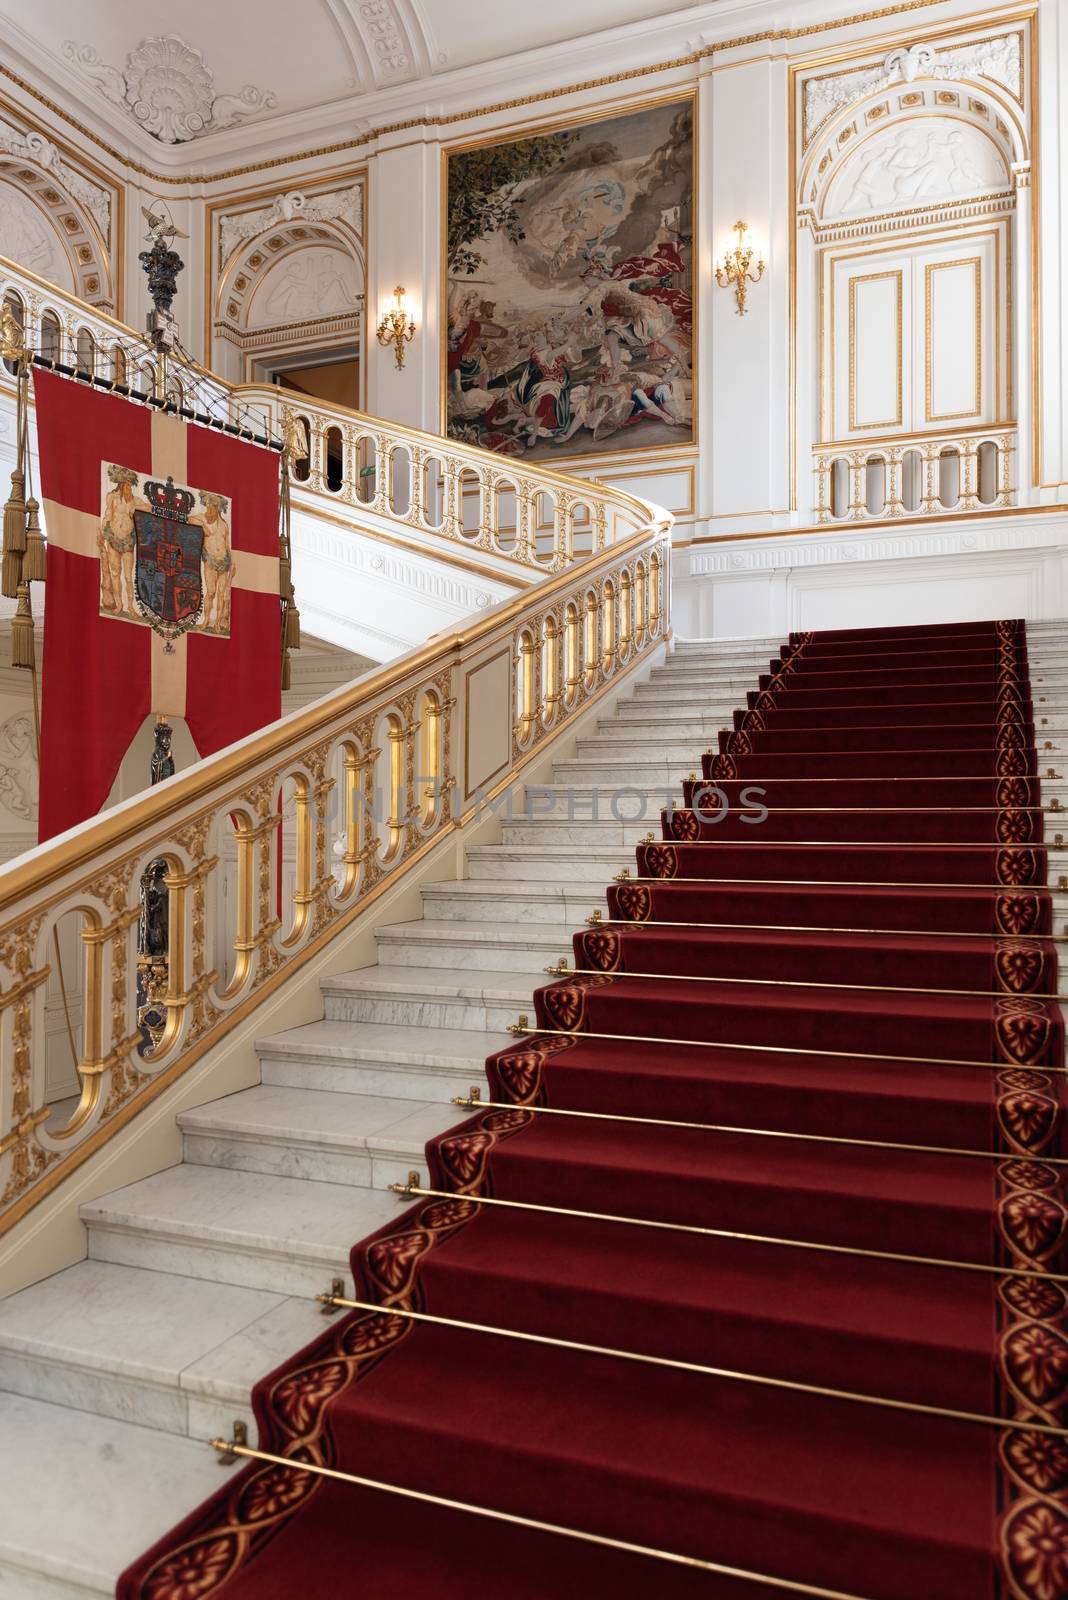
x: 168, y: 550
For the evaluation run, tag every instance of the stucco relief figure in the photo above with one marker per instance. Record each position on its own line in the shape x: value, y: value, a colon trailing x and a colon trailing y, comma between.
x: 29, y: 240
x: 316, y: 283
x: 18, y: 772
x: 116, y: 542
x: 218, y: 563
x: 914, y: 166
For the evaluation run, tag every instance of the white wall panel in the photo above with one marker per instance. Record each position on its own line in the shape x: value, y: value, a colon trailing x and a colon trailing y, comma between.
x: 954, y: 357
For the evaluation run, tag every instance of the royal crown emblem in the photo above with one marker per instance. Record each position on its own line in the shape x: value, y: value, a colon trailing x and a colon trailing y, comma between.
x: 162, y: 562
x: 169, y: 592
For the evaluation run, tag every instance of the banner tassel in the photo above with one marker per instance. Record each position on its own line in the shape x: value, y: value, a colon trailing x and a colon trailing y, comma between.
x: 292, y: 638
x: 35, y: 561
x: 14, y: 535
x: 22, y: 651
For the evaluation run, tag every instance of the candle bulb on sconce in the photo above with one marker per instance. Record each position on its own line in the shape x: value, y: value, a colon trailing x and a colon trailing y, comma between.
x: 396, y: 327
x: 738, y: 269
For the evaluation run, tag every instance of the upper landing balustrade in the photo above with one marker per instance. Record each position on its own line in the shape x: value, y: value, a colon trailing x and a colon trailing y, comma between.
x: 517, y: 518
x: 915, y: 475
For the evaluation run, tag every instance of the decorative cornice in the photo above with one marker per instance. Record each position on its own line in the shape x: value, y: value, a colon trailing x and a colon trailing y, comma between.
x: 943, y: 213
x: 444, y: 119
x: 321, y: 327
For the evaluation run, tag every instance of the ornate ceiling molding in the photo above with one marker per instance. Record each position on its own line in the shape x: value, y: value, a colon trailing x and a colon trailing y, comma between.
x: 168, y: 89
x: 386, y: 41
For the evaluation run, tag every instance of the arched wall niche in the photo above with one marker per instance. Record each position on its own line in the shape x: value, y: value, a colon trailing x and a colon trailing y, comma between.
x: 53, y: 233
x: 910, y: 178
x: 923, y: 146
x: 291, y: 279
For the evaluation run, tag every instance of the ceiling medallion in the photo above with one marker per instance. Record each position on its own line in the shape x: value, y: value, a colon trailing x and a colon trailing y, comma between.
x: 167, y: 87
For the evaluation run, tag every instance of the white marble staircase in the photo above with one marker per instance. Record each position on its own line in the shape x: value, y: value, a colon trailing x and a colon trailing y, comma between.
x: 199, y: 1279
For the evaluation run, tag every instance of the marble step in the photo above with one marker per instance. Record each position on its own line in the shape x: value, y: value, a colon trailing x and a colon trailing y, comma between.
x: 691, y: 694
x: 592, y: 865
x: 398, y: 1062
x: 288, y: 1235
x: 726, y: 650
x: 601, y: 834
x: 365, y: 1140
x: 614, y: 776
x: 682, y: 724
x: 624, y: 746
x: 430, y: 997
x: 509, y: 947
x: 483, y: 900
x: 688, y: 678
x: 712, y: 672
x: 83, y: 1495
x: 157, y: 1349
x: 579, y: 803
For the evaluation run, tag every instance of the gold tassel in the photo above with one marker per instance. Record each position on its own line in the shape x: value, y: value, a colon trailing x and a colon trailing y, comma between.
x: 287, y: 674
x: 292, y: 630
x: 34, y: 562
x: 22, y: 654
x: 14, y: 535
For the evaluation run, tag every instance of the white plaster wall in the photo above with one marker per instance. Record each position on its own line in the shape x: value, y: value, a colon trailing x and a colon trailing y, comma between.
x: 1006, y: 566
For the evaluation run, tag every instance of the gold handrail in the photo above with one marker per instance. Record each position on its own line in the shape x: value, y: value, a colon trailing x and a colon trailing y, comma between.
x: 226, y: 827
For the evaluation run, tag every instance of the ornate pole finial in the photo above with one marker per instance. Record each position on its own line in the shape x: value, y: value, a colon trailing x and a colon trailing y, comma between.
x: 161, y: 266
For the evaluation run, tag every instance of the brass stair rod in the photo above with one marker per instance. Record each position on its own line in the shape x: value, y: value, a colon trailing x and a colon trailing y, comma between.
x: 651, y: 923
x: 522, y: 1028
x: 235, y: 1448
x: 845, y: 883
x: 475, y: 1102
x: 564, y: 971
x: 412, y: 1190
x: 729, y: 1374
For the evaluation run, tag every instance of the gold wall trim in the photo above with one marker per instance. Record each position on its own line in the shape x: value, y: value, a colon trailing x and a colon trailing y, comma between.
x: 903, y: 524
x: 930, y: 268
x: 897, y: 274
x: 444, y: 119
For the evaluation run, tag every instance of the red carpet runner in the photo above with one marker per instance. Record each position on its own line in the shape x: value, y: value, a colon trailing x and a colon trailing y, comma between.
x: 871, y: 963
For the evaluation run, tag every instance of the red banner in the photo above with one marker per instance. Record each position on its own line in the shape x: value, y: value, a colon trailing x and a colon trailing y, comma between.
x: 162, y: 592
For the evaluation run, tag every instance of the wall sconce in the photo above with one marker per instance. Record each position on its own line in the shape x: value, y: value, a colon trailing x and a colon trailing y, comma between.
x: 739, y: 269
x: 396, y: 327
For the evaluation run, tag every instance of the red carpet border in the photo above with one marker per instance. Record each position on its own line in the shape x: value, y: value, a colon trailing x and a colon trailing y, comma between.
x: 872, y: 963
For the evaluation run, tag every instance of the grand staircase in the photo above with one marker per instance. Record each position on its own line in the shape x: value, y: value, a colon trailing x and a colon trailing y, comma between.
x: 201, y: 1278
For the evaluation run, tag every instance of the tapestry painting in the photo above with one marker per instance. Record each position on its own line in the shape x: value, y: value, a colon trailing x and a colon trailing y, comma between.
x: 570, y: 301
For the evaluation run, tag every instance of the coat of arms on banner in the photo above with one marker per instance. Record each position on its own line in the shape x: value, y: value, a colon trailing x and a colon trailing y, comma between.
x: 165, y: 556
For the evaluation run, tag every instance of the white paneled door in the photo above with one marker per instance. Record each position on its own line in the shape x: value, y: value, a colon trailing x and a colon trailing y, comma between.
x: 916, y: 338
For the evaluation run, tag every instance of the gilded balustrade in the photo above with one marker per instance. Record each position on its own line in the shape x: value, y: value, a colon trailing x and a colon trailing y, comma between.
x: 917, y: 475
x: 355, y: 790
x: 519, y: 514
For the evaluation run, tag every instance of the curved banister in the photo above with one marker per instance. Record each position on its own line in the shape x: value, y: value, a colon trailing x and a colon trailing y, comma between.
x: 520, y: 513
x: 274, y: 845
